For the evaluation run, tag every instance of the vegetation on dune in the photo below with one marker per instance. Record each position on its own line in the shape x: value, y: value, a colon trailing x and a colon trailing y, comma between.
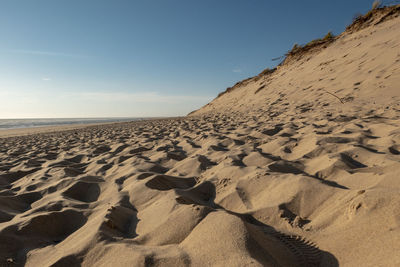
x: 300, y: 49
x: 384, y: 10
x: 376, y: 4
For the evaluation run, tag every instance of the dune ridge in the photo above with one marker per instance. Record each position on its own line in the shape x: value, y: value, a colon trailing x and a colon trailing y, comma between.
x: 359, y: 66
x: 298, y: 166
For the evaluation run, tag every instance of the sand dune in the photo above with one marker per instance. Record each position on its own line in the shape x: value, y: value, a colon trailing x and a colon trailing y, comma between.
x: 275, y: 172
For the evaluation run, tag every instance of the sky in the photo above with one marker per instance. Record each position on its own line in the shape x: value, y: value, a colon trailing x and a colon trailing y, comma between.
x: 146, y: 58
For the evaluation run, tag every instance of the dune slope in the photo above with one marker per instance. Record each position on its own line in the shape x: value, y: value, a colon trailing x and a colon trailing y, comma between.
x: 360, y: 67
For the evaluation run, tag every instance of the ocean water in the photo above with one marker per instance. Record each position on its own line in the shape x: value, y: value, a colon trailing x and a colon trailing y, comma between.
x: 30, y: 123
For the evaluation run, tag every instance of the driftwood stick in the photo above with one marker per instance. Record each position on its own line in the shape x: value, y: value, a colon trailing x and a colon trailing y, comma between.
x: 341, y: 101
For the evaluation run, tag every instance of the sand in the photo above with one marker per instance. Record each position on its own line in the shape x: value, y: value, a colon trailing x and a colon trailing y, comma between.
x: 287, y: 176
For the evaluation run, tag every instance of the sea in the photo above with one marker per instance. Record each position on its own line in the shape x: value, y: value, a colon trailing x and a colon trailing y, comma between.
x: 31, y: 123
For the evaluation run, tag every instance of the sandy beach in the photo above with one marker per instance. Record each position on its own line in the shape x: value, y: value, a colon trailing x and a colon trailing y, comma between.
x: 56, y: 128
x: 213, y: 190
x: 273, y: 172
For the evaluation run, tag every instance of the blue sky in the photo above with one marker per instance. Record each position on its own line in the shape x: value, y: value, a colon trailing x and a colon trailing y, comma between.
x: 98, y: 58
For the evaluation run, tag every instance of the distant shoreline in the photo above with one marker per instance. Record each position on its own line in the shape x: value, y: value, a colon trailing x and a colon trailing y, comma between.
x: 12, y: 132
x: 23, y: 123
x: 46, y: 129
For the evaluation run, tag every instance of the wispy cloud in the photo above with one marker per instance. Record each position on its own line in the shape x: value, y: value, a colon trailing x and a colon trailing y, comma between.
x: 237, y: 70
x: 145, y: 97
x: 46, y: 79
x: 50, y: 103
x: 45, y: 53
